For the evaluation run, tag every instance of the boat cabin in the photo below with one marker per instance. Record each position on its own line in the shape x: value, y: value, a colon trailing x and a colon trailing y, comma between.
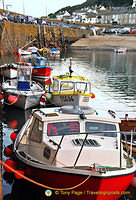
x: 82, y: 137
x: 64, y: 83
x: 24, y: 77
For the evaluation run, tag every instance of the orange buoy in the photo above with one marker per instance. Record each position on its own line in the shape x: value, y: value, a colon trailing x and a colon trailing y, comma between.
x: 8, y: 152
x: 12, y: 98
x: 21, y: 171
x: 11, y: 163
x: 92, y: 95
x: 13, y: 135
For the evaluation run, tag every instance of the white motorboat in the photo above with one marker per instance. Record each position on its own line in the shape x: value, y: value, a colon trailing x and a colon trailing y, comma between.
x: 121, y: 50
x: 10, y: 71
x: 74, y: 148
x: 23, y: 93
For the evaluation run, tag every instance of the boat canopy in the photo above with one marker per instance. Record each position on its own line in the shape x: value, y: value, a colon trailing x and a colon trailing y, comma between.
x: 42, y: 61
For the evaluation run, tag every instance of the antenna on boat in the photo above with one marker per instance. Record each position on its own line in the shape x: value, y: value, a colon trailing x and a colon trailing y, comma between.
x: 70, y: 68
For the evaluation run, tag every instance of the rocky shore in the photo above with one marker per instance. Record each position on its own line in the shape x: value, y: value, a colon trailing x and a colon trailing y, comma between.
x: 106, y: 42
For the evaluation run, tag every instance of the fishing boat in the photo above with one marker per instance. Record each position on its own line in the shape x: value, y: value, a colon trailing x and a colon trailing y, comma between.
x: 9, y: 71
x: 33, y: 49
x: 69, y: 90
x: 121, y: 50
x: 44, y: 51
x: 75, y: 149
x: 23, y: 52
x: 54, y: 52
x: 41, y: 71
x: 23, y: 92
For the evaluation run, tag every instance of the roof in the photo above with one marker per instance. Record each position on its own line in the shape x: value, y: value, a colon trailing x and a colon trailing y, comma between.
x: 72, y: 78
x: 55, y: 114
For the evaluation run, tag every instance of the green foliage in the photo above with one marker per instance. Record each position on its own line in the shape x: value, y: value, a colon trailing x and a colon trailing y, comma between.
x: 52, y: 15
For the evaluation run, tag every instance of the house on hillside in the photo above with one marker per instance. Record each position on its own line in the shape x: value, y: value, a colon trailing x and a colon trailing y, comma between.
x: 121, y: 17
x: 62, y: 15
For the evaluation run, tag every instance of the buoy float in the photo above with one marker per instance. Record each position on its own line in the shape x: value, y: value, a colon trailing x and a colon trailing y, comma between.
x: 133, y: 182
x: 8, y: 152
x: 92, y: 95
x: 43, y: 100
x: 48, y: 95
x: 11, y: 163
x: 13, y: 135
x: 21, y: 171
x: 1, y: 96
x: 12, y: 98
x: 13, y: 124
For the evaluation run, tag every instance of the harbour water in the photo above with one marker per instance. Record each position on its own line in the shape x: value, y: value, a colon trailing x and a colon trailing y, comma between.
x: 111, y: 73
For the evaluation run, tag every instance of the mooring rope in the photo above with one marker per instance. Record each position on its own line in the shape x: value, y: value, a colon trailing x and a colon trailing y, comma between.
x: 46, y: 186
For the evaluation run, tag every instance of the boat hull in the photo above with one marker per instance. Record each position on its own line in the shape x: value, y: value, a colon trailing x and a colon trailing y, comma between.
x: 42, y: 80
x: 71, y: 99
x: 95, y: 188
x: 9, y: 73
x: 41, y: 72
x: 24, y: 101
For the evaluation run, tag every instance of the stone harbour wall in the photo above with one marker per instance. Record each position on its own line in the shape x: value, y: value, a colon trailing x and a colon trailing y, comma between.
x: 16, y: 35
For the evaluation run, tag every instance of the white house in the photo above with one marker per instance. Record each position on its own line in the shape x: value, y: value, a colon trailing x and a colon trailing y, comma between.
x: 134, y: 4
x: 102, y: 8
x: 62, y: 15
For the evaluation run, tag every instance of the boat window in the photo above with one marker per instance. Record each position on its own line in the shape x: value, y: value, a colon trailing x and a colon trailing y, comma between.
x: 36, y: 131
x: 84, y: 87
x: 103, y: 128
x: 47, y: 152
x: 60, y: 128
x: 66, y: 86
x: 55, y: 85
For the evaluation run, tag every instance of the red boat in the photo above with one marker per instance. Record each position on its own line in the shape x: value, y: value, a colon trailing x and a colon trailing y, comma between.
x: 40, y: 71
x: 75, y: 152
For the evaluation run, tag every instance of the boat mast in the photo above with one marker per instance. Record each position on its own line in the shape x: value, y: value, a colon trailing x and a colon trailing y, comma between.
x: 70, y: 68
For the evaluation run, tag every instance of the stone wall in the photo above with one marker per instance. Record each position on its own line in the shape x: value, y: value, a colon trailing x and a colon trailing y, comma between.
x: 16, y: 35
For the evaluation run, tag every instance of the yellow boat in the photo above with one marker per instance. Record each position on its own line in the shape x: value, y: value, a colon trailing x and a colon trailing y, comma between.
x: 69, y: 90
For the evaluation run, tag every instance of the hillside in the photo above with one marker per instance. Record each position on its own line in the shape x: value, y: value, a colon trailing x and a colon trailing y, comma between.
x: 106, y: 3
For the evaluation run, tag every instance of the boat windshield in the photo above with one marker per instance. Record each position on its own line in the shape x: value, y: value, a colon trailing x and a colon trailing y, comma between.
x: 36, y: 131
x: 83, y: 87
x: 55, y: 85
x: 103, y: 129
x: 66, y: 86
x: 60, y: 128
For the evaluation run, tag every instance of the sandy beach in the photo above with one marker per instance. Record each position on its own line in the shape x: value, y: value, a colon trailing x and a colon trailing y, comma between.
x: 106, y: 42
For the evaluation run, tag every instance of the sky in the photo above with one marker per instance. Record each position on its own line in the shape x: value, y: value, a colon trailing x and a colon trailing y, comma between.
x: 37, y: 8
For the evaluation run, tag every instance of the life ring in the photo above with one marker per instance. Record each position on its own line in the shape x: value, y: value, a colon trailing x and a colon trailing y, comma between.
x: 74, y: 109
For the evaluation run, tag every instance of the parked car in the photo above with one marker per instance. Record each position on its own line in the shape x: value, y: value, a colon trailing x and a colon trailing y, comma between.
x: 11, y: 18
x: 133, y: 31
x: 83, y: 27
x: 3, y: 17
